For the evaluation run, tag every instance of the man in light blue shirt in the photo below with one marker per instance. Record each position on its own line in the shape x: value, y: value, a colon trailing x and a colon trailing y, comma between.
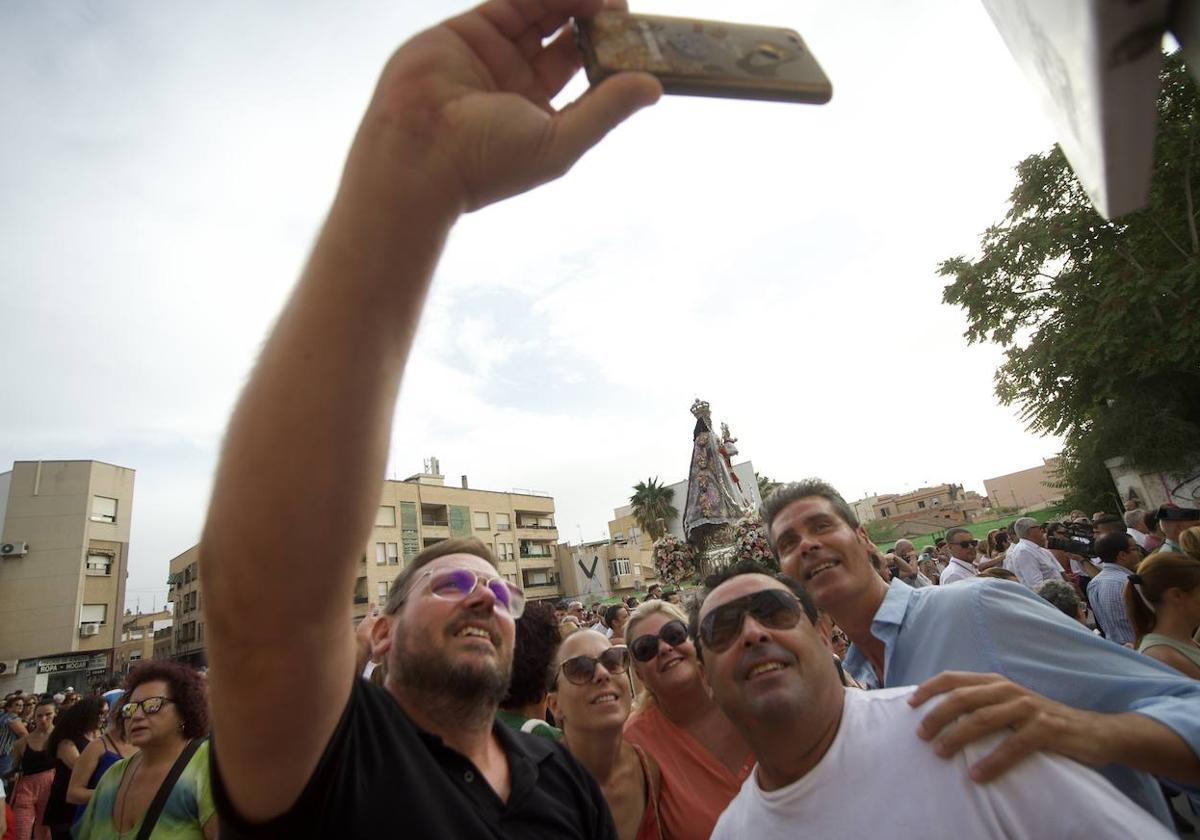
x: 1028, y: 667
x: 1120, y: 555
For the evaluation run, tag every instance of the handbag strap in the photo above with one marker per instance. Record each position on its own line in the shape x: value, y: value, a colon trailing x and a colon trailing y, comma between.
x: 164, y: 790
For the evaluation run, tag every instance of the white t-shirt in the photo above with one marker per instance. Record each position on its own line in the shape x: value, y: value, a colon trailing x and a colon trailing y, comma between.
x: 862, y: 787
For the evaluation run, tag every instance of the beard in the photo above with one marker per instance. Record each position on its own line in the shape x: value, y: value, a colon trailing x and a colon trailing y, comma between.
x: 458, y: 692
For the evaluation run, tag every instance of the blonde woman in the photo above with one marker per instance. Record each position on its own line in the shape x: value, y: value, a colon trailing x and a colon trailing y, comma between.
x: 590, y: 695
x: 1163, y: 602
x: 702, y: 757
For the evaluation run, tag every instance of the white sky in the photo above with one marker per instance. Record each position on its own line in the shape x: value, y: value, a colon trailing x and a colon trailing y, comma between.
x: 164, y: 167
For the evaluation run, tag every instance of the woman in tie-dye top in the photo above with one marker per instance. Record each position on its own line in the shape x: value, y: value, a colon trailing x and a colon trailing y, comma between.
x: 166, y: 709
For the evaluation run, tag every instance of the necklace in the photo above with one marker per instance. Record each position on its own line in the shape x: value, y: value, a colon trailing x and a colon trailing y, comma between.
x: 134, y: 765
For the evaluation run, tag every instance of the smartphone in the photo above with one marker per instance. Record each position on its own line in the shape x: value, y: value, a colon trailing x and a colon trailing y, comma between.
x: 704, y: 57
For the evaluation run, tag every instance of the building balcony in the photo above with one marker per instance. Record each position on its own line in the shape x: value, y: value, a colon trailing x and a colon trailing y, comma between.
x: 361, y: 599
x: 539, y: 561
x: 533, y: 593
x: 534, y: 553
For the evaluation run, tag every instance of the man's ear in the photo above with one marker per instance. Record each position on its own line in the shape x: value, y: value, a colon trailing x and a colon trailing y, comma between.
x: 381, y: 637
x: 704, y: 680
x: 552, y: 705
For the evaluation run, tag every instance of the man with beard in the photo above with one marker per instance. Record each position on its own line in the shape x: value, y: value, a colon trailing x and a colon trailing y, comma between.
x: 828, y: 755
x: 1096, y: 702
x: 462, y: 117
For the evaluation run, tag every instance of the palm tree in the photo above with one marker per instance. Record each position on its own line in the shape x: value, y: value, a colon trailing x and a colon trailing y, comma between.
x: 652, y: 507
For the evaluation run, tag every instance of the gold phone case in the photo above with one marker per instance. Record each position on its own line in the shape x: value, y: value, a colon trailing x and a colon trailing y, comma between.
x: 704, y: 57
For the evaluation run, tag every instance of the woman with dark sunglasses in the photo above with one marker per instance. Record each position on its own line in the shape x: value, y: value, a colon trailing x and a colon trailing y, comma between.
x: 703, y: 759
x: 165, y: 710
x: 590, y: 696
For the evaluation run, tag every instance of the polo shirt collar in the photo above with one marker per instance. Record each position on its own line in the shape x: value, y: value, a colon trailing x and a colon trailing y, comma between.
x: 1117, y: 568
x: 970, y: 567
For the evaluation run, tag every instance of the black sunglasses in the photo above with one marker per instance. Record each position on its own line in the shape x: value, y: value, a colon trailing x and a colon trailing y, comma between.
x: 581, y: 670
x: 645, y: 647
x: 966, y: 543
x: 774, y: 608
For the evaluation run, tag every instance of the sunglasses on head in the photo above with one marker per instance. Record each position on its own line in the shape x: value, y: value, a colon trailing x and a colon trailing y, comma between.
x: 774, y: 608
x: 458, y: 584
x: 581, y: 670
x: 966, y: 543
x: 645, y: 647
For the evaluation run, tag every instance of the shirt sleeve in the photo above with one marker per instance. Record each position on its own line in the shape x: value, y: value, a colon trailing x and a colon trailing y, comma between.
x: 206, y: 807
x: 1027, y: 640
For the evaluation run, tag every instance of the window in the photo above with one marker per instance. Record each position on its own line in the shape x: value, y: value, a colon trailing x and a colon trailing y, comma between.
x: 921, y: 505
x: 482, y: 523
x: 506, y: 551
x: 383, y: 590
x: 380, y: 554
x: 393, y: 554
x: 616, y: 568
x: 884, y: 513
x: 386, y: 517
x: 634, y: 532
x: 134, y: 656
x: 93, y: 614
x: 537, y: 577
x: 99, y: 564
x: 503, y: 523
x: 619, y: 536
x: 104, y: 509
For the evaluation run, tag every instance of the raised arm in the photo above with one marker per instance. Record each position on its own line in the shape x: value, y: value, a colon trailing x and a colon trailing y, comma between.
x: 460, y: 119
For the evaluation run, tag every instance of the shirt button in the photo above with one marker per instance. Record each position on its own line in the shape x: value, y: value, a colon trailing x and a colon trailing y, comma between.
x: 469, y: 777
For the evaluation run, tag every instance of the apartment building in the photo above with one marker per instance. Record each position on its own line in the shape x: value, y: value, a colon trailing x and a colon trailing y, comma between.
x: 421, y: 511
x: 64, y: 549
x: 187, y: 609
x: 1026, y: 489
x: 137, y: 638
x: 948, y: 502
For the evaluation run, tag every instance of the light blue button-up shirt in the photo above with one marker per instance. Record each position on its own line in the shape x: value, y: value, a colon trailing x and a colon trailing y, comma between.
x: 997, y: 626
x: 1106, y: 594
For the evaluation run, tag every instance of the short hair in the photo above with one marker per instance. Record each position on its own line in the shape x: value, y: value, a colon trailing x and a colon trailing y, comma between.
x: 459, y: 545
x: 537, y: 639
x: 1061, y: 595
x: 1134, y: 517
x: 612, y: 611
x: 998, y: 572
x: 1024, y: 525
x: 1189, y: 541
x: 187, y: 692
x: 786, y: 494
x: 743, y: 567
x: 1110, y: 545
x: 954, y: 531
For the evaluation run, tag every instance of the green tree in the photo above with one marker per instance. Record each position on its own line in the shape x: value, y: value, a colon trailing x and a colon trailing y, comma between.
x: 765, y: 485
x: 1100, y: 320
x: 652, y: 507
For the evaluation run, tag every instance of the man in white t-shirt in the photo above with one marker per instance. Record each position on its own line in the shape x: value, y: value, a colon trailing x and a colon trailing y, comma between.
x: 829, y: 758
x: 1029, y: 559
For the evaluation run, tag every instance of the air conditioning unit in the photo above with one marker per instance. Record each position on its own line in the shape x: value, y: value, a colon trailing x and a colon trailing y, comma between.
x: 8, y: 668
x: 89, y: 629
x: 14, y: 549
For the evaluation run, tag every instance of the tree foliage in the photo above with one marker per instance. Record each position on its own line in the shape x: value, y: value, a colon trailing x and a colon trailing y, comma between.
x: 765, y: 486
x: 1100, y: 320
x: 652, y: 506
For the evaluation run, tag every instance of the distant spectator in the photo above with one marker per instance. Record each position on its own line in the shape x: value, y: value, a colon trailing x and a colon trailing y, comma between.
x: 74, y: 729
x: 616, y: 617
x: 1174, y: 520
x: 1062, y: 595
x: 631, y: 602
x: 1120, y: 555
x: 575, y: 610
x: 12, y: 729
x: 536, y: 641
x: 882, y: 568
x: 1135, y: 524
x: 963, y: 551
x: 654, y: 593
x: 1028, y: 559
x: 1154, y: 534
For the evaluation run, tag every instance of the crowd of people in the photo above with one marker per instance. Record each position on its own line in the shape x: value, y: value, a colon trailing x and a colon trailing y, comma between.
x: 128, y: 762
x: 827, y: 699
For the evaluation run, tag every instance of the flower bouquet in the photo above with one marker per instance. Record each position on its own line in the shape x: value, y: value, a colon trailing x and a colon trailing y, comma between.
x: 750, y: 542
x: 674, y: 560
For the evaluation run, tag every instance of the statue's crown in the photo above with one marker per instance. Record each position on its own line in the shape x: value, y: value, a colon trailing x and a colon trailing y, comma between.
x: 701, y: 410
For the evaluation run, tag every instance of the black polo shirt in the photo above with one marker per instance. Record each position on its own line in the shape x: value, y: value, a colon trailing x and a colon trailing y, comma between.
x: 382, y: 776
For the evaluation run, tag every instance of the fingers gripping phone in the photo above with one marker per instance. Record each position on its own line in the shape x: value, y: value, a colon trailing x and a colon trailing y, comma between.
x: 703, y: 57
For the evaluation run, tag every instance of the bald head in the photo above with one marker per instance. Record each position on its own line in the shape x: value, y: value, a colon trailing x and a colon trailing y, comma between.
x: 904, y: 549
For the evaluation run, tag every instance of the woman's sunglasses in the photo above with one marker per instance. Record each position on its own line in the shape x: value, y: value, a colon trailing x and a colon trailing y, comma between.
x: 645, y: 647
x: 150, y: 705
x: 774, y: 608
x: 581, y: 670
